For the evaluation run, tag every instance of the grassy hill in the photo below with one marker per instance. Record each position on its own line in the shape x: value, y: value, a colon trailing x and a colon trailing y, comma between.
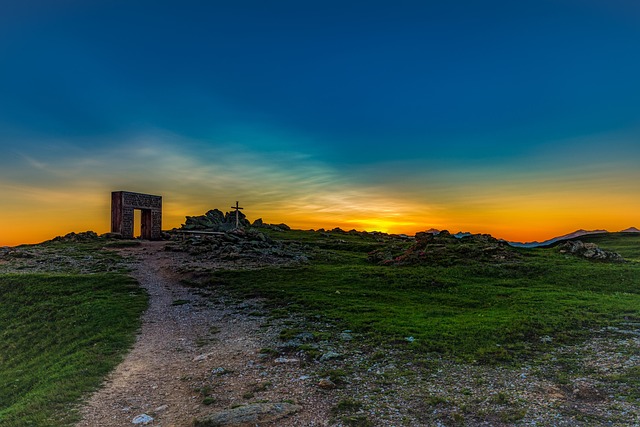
x: 60, y: 334
x: 463, y: 300
x: 465, y: 308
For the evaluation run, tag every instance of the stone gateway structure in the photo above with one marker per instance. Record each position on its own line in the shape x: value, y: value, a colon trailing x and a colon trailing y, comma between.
x: 123, y: 203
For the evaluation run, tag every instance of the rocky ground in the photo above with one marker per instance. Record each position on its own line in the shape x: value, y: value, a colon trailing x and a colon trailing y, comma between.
x: 203, y: 358
x: 445, y: 249
x: 197, y: 355
x: 237, y: 249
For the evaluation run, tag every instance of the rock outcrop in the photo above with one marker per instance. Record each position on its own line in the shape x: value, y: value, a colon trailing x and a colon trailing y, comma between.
x: 258, y: 223
x: 214, y: 235
x: 215, y: 220
x: 589, y: 251
x: 446, y: 249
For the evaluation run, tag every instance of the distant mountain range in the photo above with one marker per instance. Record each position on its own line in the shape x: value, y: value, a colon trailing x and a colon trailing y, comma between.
x: 631, y: 230
x: 577, y: 233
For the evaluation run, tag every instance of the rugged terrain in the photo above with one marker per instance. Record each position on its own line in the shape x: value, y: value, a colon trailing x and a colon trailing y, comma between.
x: 211, y: 342
x: 196, y: 354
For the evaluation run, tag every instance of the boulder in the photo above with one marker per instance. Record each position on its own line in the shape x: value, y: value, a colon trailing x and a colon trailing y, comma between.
x: 210, y: 220
x: 143, y: 419
x: 248, y: 415
x: 259, y: 223
x: 230, y: 218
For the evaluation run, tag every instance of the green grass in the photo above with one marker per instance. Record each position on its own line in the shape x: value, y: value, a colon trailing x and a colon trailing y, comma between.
x: 59, y: 336
x: 482, y: 311
x: 628, y: 383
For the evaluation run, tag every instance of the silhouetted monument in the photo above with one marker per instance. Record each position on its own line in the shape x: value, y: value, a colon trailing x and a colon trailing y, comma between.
x: 123, y: 203
x: 237, y: 208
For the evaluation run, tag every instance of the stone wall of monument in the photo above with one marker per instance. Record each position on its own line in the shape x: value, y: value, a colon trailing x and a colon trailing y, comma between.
x: 123, y: 203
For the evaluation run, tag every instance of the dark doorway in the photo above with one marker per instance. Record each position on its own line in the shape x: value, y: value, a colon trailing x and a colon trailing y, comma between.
x: 146, y: 225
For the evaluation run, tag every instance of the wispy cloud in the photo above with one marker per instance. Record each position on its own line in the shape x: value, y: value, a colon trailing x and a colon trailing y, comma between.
x: 64, y: 184
x: 281, y: 186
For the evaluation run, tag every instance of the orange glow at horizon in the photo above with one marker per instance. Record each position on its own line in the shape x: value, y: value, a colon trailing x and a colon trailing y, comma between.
x: 524, y: 210
x: 29, y: 227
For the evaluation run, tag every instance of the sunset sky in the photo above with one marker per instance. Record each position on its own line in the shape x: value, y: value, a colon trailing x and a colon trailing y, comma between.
x: 515, y: 118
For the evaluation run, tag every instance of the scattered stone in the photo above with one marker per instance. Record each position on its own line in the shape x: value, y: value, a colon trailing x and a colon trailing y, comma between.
x: 161, y: 408
x: 248, y: 415
x: 142, y: 419
x: 326, y: 384
x: 202, y: 357
x: 305, y: 336
x: 329, y: 356
x: 294, y: 343
x: 286, y: 360
x: 218, y: 371
x: 345, y: 336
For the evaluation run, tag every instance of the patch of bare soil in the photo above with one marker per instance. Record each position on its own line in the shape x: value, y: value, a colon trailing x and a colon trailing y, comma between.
x: 195, y: 356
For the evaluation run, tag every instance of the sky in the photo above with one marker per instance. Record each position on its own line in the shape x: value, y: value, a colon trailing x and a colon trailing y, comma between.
x: 516, y: 118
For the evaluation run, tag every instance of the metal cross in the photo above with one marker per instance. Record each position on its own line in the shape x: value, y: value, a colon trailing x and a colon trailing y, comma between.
x: 237, y: 208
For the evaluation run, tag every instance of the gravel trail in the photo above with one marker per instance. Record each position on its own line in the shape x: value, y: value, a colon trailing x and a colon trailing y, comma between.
x: 192, y: 357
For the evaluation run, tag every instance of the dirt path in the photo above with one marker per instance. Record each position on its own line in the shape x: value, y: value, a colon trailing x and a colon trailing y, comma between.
x: 195, y: 357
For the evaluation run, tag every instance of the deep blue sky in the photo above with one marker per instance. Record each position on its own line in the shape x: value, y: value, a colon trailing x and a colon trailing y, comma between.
x: 375, y: 92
